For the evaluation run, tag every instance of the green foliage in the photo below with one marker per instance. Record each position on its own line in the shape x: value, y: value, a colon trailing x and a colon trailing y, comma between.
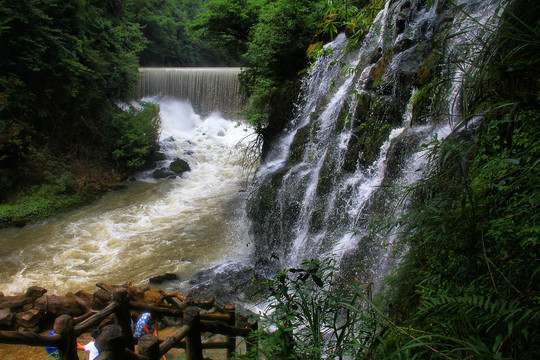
x: 353, y: 16
x: 311, y: 315
x: 170, y: 40
x: 45, y: 201
x: 228, y: 23
x: 133, y: 134
x: 277, y: 52
x: 470, y: 280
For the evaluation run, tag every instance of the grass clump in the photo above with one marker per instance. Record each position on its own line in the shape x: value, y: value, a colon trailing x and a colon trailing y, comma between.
x: 46, y: 201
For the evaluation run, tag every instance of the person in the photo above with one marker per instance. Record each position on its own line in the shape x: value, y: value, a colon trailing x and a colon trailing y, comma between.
x: 91, y: 346
x: 52, y: 351
x: 147, y: 324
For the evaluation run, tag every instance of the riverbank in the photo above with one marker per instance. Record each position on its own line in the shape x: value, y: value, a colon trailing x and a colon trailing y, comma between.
x: 49, y: 201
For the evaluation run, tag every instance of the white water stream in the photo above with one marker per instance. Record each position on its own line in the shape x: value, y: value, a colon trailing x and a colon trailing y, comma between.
x: 180, y: 225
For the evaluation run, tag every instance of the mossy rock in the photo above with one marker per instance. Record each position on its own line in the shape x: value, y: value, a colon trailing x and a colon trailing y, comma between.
x: 163, y: 174
x: 400, y: 150
x: 298, y: 145
x: 327, y: 174
x: 179, y: 166
x: 428, y: 70
x: 159, y: 156
x: 427, y: 100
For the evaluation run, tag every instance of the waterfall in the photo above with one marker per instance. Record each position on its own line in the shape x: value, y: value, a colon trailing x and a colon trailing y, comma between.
x: 206, y: 89
x: 331, y: 183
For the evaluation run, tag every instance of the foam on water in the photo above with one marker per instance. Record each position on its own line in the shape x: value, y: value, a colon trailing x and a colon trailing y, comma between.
x: 179, y: 225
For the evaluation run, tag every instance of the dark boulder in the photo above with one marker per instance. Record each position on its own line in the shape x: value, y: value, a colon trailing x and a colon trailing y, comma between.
x: 159, y: 156
x: 162, y: 278
x: 6, y: 318
x: 163, y: 174
x: 179, y: 166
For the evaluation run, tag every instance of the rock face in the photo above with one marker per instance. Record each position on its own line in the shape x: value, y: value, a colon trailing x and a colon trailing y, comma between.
x: 163, y: 174
x: 353, y: 144
x: 226, y: 284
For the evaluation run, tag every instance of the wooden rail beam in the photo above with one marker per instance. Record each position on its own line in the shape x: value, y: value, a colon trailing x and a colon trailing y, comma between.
x: 231, y: 339
x: 204, y: 345
x: 149, y: 346
x: 156, y: 309
x: 29, y: 338
x: 173, y: 340
x: 218, y: 327
x: 111, y: 343
x: 175, y: 312
x: 96, y: 319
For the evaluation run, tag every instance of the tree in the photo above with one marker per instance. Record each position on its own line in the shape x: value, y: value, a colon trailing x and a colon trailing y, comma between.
x: 277, y: 52
x: 228, y: 24
x: 63, y: 67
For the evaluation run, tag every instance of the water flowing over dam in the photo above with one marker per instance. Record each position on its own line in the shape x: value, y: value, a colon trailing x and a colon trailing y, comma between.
x: 206, y: 89
x: 180, y: 225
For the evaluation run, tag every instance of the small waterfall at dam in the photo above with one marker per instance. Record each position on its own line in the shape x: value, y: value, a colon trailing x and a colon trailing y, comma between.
x: 206, y: 89
x: 339, y: 175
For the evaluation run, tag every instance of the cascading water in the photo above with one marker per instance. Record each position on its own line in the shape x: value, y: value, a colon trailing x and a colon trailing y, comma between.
x: 206, y: 89
x: 338, y: 172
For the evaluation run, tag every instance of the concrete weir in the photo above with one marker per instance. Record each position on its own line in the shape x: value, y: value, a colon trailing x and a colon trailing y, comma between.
x: 206, y: 89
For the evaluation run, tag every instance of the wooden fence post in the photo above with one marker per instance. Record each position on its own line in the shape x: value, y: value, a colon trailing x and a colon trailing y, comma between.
x: 110, y: 343
x: 63, y: 325
x: 149, y: 346
x: 193, y: 339
x: 122, y: 315
x: 231, y: 339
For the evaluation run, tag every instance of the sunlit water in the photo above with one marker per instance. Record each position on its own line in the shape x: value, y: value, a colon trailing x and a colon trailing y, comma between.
x: 180, y: 225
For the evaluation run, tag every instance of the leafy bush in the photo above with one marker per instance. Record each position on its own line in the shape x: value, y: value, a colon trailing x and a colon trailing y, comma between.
x: 277, y: 52
x: 312, y: 314
x: 133, y: 135
x: 353, y: 16
x: 470, y: 280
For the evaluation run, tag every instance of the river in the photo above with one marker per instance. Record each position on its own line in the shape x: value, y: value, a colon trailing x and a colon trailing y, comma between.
x: 181, y: 225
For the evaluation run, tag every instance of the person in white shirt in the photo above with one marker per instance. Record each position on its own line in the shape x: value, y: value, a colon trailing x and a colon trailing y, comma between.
x: 91, y: 346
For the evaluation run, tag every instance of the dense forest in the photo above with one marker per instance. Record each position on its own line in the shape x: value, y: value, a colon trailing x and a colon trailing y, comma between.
x: 468, y: 286
x: 64, y: 68
x: 67, y: 65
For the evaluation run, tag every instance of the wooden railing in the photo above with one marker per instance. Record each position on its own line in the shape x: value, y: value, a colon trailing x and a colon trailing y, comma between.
x: 116, y: 341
